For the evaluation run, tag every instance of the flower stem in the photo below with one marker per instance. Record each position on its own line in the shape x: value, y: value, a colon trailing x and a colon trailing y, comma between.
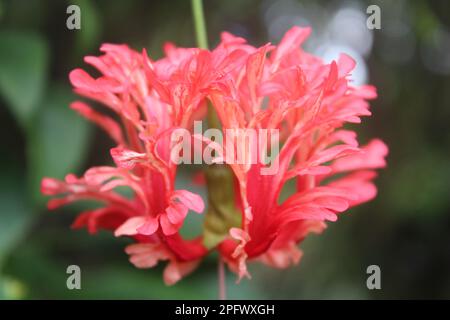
x: 222, y: 284
x: 199, y: 21
x: 213, y: 122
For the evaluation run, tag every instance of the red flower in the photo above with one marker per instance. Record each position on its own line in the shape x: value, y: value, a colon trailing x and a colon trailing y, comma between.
x: 272, y: 87
x: 309, y: 102
x: 156, y: 211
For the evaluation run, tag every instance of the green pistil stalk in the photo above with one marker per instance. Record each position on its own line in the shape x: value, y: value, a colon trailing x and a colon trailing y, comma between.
x: 199, y: 21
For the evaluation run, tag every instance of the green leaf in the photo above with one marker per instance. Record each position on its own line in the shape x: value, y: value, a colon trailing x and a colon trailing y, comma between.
x: 15, y: 215
x: 87, y: 38
x: 57, y: 140
x: 23, y: 71
x: 430, y: 188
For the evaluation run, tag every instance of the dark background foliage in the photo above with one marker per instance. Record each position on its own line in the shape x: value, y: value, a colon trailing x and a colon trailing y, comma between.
x: 406, y: 230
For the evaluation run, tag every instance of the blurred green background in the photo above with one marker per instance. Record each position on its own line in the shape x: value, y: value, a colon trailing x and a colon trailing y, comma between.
x: 406, y: 230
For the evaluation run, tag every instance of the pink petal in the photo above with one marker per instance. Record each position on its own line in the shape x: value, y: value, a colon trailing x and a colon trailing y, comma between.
x: 366, y: 92
x: 319, y: 170
x: 146, y: 255
x: 177, y: 270
x: 308, y: 213
x: 371, y: 157
x: 168, y: 227
x: 106, y: 123
x: 50, y: 186
x: 129, y: 227
x: 358, y: 184
x: 127, y: 159
x: 345, y: 64
x: 149, y: 227
x: 292, y: 40
x: 176, y: 213
x: 333, y: 153
x: 190, y: 200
